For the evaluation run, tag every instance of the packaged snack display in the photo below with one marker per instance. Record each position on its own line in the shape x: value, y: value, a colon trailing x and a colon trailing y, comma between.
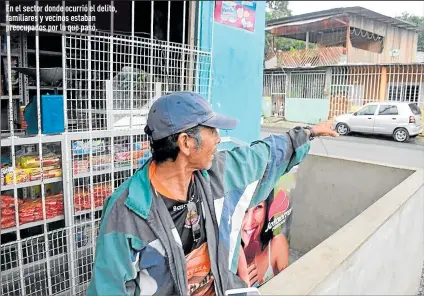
x: 83, y: 147
x: 33, y: 161
x: 82, y: 198
x: 28, y: 168
x: 80, y: 166
x: 101, y: 162
x: 123, y: 154
x: 121, y: 157
x: 8, y: 211
x: 32, y: 210
x: 32, y: 174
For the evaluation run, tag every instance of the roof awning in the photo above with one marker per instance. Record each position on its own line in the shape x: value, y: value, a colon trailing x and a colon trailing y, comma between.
x: 311, y: 25
x: 298, y: 23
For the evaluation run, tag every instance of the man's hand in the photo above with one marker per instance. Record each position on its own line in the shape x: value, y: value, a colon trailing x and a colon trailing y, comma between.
x: 325, y: 129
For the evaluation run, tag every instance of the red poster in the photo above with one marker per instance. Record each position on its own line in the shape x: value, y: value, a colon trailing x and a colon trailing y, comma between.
x: 238, y: 14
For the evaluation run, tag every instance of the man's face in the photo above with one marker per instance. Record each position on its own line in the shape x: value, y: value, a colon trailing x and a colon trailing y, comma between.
x: 202, y: 158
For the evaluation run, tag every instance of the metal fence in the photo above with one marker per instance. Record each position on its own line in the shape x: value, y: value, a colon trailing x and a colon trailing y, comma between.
x: 275, y: 86
x: 54, y: 187
x: 307, y: 85
x: 350, y: 87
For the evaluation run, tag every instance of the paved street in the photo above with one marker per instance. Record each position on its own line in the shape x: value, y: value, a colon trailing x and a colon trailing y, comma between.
x: 383, y: 150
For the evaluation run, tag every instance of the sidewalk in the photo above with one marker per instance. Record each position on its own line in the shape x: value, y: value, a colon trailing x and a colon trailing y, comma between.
x: 279, y: 123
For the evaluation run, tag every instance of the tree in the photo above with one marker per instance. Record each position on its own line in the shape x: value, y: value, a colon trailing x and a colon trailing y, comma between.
x: 417, y: 20
x: 276, y: 10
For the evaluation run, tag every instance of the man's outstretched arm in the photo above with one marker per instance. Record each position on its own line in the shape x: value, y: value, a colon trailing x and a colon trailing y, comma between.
x: 272, y: 157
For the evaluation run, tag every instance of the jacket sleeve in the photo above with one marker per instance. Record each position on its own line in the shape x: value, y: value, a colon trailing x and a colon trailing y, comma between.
x: 113, y: 269
x: 266, y: 160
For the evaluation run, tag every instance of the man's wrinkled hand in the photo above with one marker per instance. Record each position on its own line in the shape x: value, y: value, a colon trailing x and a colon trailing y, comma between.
x: 325, y: 129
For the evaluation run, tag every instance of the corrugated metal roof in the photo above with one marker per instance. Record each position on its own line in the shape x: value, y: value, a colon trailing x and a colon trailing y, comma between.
x: 297, y: 23
x: 357, y: 10
x: 279, y: 68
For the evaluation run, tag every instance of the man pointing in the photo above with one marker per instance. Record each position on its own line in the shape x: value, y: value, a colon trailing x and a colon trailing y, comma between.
x: 167, y: 229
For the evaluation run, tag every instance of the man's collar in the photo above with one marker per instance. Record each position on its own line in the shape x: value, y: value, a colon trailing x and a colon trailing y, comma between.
x: 139, y: 192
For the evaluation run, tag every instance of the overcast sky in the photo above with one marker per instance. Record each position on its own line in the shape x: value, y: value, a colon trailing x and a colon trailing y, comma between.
x: 389, y: 8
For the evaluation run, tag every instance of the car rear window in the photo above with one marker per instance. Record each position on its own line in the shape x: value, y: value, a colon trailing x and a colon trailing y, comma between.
x: 414, y: 108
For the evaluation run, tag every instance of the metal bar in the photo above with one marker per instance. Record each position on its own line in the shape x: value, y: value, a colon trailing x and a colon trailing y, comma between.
x: 12, y: 152
x: 5, y: 142
x: 132, y: 78
x: 66, y: 160
x: 408, y: 78
x: 211, y: 60
x: 111, y: 61
x: 168, y: 30
x: 389, y: 83
x: 40, y: 149
x: 90, y: 126
x: 152, y: 17
x: 372, y: 84
x: 184, y: 48
x: 397, y: 83
x: 199, y: 18
x: 192, y: 15
x: 421, y: 102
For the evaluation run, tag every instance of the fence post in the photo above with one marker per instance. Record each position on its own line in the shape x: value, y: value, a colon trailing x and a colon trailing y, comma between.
x: 288, y: 84
x: 383, y: 84
x: 327, y: 87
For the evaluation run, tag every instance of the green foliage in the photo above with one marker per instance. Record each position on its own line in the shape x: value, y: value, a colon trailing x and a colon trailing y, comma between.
x: 276, y: 10
x: 417, y: 20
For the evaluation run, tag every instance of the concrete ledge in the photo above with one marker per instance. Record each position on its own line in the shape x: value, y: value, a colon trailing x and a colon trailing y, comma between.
x: 379, y: 252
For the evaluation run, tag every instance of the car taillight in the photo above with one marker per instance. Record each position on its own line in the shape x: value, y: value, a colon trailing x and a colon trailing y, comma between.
x: 411, y: 119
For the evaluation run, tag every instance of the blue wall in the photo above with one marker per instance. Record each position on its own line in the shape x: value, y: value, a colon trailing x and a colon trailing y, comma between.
x: 237, y: 69
x: 307, y: 110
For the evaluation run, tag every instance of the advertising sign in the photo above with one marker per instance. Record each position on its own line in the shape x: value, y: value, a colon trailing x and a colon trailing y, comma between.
x: 265, y: 234
x: 238, y: 14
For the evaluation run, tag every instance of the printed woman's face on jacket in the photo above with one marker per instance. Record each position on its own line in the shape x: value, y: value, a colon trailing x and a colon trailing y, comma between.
x: 253, y: 222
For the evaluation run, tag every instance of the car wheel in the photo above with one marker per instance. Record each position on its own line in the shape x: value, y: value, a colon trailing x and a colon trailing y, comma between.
x: 401, y: 135
x: 342, y: 129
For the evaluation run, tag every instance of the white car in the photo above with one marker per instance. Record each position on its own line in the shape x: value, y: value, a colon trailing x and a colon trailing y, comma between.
x: 402, y: 120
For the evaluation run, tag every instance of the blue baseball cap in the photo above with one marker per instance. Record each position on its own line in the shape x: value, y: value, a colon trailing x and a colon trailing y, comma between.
x: 179, y: 111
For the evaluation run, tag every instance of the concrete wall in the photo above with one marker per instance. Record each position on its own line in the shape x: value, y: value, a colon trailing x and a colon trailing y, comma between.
x: 328, y: 195
x: 307, y: 110
x: 363, y: 226
x: 237, y: 70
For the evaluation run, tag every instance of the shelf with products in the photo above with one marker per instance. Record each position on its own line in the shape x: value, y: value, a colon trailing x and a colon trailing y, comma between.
x: 29, y: 170
x: 96, y: 159
x: 88, y: 197
x: 86, y: 203
x: 28, y: 206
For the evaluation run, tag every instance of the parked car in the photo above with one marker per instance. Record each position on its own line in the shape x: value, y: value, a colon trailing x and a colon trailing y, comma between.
x: 402, y: 120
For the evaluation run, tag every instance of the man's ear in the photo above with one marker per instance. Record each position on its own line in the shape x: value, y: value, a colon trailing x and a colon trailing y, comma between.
x: 185, y: 143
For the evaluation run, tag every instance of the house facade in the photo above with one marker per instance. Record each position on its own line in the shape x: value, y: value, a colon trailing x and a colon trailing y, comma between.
x: 316, y: 94
x: 342, y: 36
